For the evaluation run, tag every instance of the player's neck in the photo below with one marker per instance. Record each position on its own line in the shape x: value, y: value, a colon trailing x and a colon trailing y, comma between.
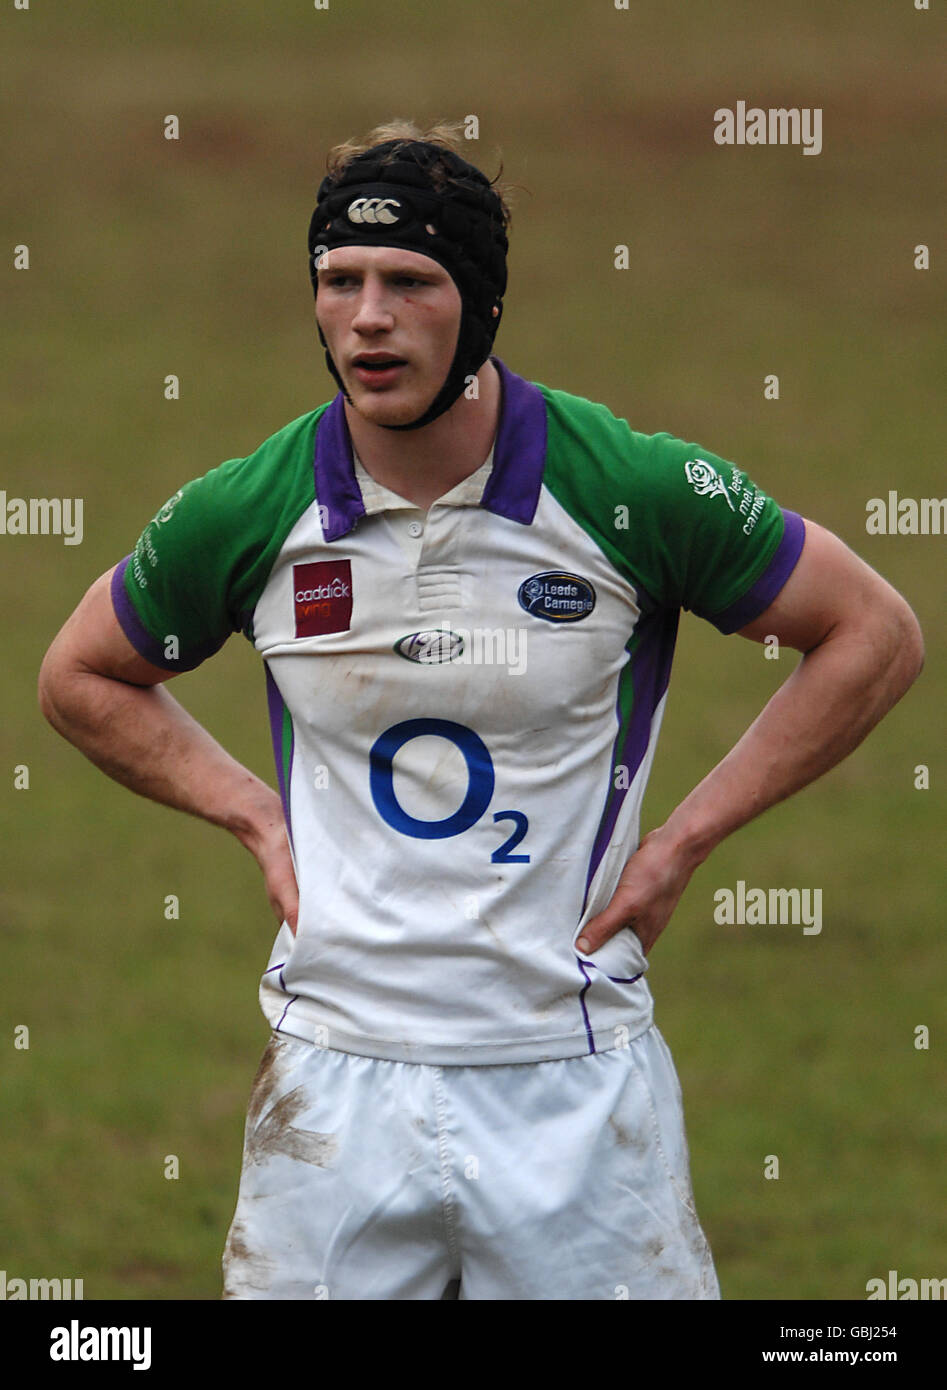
x: 422, y: 465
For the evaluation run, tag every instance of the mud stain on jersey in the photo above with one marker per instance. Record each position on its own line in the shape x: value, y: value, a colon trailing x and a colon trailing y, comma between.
x: 243, y: 1268
x: 278, y: 1135
x: 264, y: 1083
x: 622, y: 1137
x: 625, y: 1138
x: 497, y: 940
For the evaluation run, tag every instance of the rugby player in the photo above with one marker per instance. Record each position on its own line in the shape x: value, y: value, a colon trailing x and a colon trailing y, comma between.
x: 465, y: 588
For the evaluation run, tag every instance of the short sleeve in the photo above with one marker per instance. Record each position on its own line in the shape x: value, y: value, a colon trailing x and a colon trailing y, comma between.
x: 685, y: 527
x: 171, y: 595
x: 706, y: 537
x: 201, y: 563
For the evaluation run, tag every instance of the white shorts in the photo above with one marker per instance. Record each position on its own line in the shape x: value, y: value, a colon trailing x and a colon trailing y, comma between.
x: 370, y: 1179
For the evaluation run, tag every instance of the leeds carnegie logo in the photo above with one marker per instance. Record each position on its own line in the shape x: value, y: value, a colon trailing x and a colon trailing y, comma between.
x: 556, y: 596
x: 706, y: 481
x: 432, y: 647
x: 373, y: 210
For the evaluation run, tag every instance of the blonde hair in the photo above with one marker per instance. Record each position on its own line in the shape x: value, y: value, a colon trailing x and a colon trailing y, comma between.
x: 447, y: 134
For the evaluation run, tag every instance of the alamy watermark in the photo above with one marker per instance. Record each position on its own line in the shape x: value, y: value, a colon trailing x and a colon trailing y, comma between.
x: 12, y: 1289
x: 462, y: 646
x: 79, y: 1343
x: 906, y: 516
x: 777, y: 125
x: 773, y: 907
x: 905, y: 1290
x: 42, y: 516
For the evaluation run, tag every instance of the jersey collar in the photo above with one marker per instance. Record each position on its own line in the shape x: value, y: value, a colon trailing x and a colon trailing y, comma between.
x: 512, y: 488
x: 378, y: 498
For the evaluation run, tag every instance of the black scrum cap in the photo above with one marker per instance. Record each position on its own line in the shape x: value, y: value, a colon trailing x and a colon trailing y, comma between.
x: 407, y: 204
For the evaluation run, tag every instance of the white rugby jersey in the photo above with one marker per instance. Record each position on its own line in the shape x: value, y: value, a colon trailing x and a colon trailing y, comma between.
x: 463, y: 724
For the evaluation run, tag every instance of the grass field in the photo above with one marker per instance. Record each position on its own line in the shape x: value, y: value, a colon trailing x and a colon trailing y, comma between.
x: 150, y: 257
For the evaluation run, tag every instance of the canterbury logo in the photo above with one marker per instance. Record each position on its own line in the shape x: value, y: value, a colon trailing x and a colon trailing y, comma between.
x: 373, y: 210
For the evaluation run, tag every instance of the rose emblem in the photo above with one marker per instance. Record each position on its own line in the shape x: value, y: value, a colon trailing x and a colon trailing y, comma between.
x: 705, y: 480
x: 168, y: 508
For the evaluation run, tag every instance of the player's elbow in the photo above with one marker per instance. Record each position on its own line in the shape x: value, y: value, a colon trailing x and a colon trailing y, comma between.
x: 915, y: 644
x: 905, y: 643
x: 47, y: 685
x: 55, y: 688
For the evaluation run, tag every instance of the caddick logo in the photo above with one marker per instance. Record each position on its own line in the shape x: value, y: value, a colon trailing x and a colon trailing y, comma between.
x: 557, y: 597
x: 432, y: 647
x: 322, y: 593
x: 373, y: 210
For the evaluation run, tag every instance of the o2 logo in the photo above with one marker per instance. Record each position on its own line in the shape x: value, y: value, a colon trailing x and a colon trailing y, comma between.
x: 480, y: 783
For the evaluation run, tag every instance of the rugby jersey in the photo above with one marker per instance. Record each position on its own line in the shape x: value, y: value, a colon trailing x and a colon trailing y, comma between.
x: 463, y: 723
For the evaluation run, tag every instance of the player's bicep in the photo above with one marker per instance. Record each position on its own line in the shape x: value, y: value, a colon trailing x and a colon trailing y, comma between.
x: 829, y: 585
x: 91, y: 641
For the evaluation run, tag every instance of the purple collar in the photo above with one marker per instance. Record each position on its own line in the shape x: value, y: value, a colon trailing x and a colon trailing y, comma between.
x: 519, y: 456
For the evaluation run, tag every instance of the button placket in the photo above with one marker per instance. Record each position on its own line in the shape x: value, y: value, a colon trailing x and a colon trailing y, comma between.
x: 438, y: 582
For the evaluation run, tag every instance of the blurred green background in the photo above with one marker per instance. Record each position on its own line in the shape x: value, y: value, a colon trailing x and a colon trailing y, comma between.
x: 150, y: 257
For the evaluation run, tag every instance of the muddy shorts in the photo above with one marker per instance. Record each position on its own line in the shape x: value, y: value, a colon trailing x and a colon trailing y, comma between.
x: 371, y: 1179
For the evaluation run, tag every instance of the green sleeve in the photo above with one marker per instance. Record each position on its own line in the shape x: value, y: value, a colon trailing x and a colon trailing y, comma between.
x: 687, y: 528
x: 201, y: 563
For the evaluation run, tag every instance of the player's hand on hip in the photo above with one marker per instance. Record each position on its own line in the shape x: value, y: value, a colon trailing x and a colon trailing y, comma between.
x: 648, y: 891
x: 267, y: 841
x: 281, y: 886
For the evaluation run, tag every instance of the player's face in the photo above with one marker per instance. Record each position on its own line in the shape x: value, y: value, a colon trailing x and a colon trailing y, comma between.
x: 378, y: 305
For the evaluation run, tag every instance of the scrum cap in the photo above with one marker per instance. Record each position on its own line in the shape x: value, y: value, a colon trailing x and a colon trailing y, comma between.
x: 458, y: 224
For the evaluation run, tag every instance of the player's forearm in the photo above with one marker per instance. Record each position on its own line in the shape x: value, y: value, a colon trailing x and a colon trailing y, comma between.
x: 143, y: 738
x: 834, y: 698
